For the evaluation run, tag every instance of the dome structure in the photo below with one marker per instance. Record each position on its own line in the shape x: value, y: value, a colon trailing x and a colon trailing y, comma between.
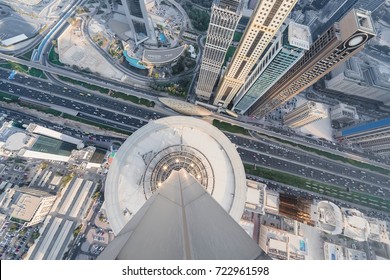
x: 152, y: 153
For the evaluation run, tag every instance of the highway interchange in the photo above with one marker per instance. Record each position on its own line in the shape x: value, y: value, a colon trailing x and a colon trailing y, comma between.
x: 260, y: 151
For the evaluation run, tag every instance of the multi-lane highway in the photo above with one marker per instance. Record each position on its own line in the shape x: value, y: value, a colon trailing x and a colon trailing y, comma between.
x: 261, y: 151
x: 310, y: 142
x: 88, y: 78
x: 94, y: 105
x: 274, y: 155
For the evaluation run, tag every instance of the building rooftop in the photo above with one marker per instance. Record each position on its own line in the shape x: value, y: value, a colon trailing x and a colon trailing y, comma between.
x: 37, y: 129
x: 25, y: 207
x: 330, y: 218
x: 49, y: 145
x: 366, y: 126
x: 299, y: 35
x: 231, y: 5
x: 182, y: 221
x: 17, y: 141
x: 148, y: 156
x: 161, y: 56
x: 356, y: 225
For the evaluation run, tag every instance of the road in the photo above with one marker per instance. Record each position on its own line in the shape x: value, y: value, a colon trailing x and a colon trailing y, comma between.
x: 116, y: 105
x: 293, y: 161
x: 38, y: 55
x: 309, y: 142
x: 87, y: 78
x: 260, y: 151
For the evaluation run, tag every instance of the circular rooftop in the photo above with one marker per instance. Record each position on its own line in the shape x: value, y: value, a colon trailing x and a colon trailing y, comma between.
x: 184, y: 107
x: 148, y: 157
x: 16, y: 141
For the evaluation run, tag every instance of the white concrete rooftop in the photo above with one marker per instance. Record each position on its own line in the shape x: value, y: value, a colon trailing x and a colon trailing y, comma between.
x: 128, y: 184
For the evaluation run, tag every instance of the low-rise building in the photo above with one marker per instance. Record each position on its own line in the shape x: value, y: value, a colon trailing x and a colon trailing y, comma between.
x: 30, y: 206
x: 255, y: 197
x: 282, y: 245
x: 337, y: 252
x: 344, y: 114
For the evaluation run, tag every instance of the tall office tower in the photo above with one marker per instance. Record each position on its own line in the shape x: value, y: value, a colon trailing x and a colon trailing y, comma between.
x: 286, y: 49
x: 373, y: 136
x: 307, y: 113
x: 266, y: 19
x: 337, y: 44
x: 137, y: 17
x: 225, y: 15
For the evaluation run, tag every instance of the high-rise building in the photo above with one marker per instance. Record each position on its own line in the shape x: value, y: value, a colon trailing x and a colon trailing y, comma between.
x: 361, y: 78
x: 137, y: 17
x: 225, y: 15
x: 180, y: 198
x: 144, y: 162
x: 286, y: 49
x: 373, y: 136
x: 266, y: 19
x: 337, y: 44
x: 304, y: 114
x: 182, y: 221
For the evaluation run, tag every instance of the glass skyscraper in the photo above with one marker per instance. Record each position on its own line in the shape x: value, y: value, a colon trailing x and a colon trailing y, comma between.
x: 286, y: 49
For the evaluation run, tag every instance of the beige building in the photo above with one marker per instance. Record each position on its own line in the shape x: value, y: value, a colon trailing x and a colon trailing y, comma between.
x: 306, y: 113
x: 31, y: 206
x: 266, y: 19
x: 225, y: 15
x: 341, y: 41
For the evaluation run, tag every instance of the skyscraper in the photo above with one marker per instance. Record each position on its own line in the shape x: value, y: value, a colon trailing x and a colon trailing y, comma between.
x: 305, y: 114
x: 137, y: 17
x: 182, y: 221
x: 337, y: 44
x: 266, y: 19
x: 146, y: 159
x: 286, y: 49
x: 225, y: 15
x: 179, y: 198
